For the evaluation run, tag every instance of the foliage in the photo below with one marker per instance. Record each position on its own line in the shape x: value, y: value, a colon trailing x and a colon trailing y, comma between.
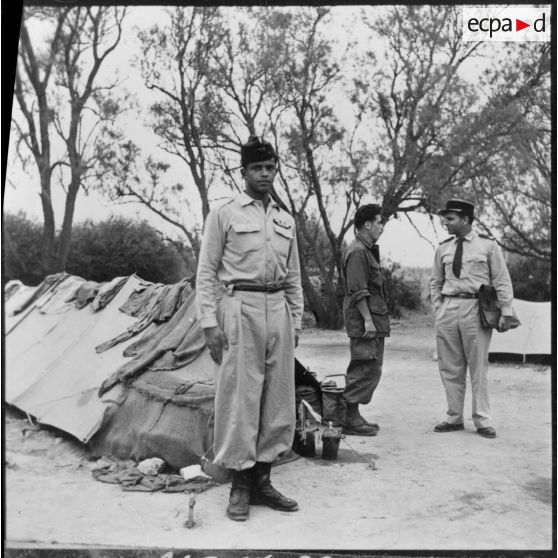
x: 98, y: 252
x: 516, y: 186
x: 119, y: 246
x: 62, y: 109
x: 419, y: 134
x: 531, y: 278
x: 21, y: 249
x: 401, y: 124
x: 401, y: 289
x: 175, y: 62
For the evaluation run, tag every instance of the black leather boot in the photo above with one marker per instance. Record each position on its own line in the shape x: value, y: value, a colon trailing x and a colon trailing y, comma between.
x: 239, y: 497
x: 356, y: 424
x: 263, y: 493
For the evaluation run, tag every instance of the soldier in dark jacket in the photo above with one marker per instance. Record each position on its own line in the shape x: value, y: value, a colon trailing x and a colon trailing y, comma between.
x: 366, y: 318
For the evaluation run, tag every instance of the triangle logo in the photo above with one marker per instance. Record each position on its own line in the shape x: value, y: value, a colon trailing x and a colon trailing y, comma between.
x: 519, y: 25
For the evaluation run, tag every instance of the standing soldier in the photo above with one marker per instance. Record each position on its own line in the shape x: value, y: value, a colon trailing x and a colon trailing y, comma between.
x: 462, y: 264
x: 366, y: 318
x: 250, y: 301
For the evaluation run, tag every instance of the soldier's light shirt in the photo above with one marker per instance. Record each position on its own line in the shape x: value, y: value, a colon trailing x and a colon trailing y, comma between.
x: 246, y: 244
x: 482, y: 258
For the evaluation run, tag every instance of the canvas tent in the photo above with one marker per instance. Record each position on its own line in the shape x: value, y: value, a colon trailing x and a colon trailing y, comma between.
x: 57, y: 358
x: 120, y: 365
x: 532, y: 337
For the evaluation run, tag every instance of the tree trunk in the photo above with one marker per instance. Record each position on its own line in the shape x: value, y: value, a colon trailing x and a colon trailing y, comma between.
x: 49, y: 227
x: 66, y: 233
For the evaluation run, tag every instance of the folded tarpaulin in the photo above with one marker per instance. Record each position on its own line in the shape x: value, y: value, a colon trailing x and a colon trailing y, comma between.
x: 106, y: 292
x: 153, y: 303
x: 168, y: 346
x: 130, y: 478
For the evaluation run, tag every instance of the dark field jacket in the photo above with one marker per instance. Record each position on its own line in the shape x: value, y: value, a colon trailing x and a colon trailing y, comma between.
x: 363, y: 279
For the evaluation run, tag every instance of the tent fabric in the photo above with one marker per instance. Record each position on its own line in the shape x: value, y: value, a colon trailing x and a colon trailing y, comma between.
x: 154, y: 420
x: 166, y: 347
x: 15, y: 295
x: 532, y: 337
x: 160, y: 400
x: 52, y: 370
x: 151, y: 304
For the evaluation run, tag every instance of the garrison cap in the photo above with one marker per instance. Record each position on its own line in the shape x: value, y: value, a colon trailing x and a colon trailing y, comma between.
x: 256, y: 150
x: 458, y: 205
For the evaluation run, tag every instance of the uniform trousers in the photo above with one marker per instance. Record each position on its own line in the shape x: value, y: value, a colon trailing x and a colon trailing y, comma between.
x: 462, y: 341
x: 254, y: 385
x: 364, y: 370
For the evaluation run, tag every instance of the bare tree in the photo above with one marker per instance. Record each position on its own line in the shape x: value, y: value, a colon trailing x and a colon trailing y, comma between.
x: 323, y: 163
x: 418, y: 102
x: 59, y: 98
x: 131, y: 177
x: 176, y: 63
x: 515, y: 188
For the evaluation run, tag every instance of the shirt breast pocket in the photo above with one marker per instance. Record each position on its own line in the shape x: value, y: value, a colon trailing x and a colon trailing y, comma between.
x: 282, y: 239
x: 478, y: 265
x: 246, y: 237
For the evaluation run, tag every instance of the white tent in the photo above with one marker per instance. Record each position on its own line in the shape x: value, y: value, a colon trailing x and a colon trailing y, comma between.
x: 532, y: 337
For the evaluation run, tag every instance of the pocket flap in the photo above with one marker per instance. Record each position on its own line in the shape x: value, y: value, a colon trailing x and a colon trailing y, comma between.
x: 377, y: 304
x: 246, y: 227
x: 479, y: 259
x: 287, y: 233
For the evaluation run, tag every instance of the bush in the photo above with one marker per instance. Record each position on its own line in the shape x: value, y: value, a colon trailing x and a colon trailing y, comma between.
x: 401, y: 290
x: 98, y: 251
x: 21, y: 249
x: 119, y: 246
x: 531, y: 278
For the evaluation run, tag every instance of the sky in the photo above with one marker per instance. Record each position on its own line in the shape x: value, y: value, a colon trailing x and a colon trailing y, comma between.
x: 400, y: 242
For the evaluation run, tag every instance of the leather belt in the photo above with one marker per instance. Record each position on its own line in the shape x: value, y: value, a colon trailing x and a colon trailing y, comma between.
x: 259, y: 288
x: 462, y: 295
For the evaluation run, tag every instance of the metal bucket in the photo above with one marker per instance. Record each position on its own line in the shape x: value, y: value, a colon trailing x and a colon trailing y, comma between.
x: 330, y: 444
x: 305, y: 446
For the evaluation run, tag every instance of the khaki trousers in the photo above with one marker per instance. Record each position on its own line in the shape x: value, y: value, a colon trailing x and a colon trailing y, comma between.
x: 254, y: 385
x: 461, y: 340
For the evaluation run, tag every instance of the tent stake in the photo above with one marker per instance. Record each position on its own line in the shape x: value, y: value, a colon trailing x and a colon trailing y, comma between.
x: 191, y: 503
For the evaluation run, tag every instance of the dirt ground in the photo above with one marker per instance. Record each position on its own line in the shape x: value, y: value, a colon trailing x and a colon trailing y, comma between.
x: 407, y: 488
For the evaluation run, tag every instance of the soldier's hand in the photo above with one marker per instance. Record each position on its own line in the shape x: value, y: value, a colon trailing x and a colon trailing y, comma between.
x: 369, y: 329
x: 296, y: 336
x: 504, y: 323
x: 216, y: 342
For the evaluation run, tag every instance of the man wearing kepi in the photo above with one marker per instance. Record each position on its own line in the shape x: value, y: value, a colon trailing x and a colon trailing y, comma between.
x: 250, y: 301
x: 366, y: 318
x: 462, y: 264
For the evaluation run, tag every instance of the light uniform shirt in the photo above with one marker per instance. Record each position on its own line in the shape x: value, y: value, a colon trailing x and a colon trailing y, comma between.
x: 482, y: 263
x: 245, y: 244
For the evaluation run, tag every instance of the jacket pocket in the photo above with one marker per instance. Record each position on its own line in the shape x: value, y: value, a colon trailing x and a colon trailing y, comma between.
x: 354, y: 323
x: 377, y: 304
x: 379, y: 310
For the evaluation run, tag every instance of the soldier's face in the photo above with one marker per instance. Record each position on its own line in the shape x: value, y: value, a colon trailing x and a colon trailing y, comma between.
x: 455, y: 223
x: 259, y: 177
x: 374, y: 228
